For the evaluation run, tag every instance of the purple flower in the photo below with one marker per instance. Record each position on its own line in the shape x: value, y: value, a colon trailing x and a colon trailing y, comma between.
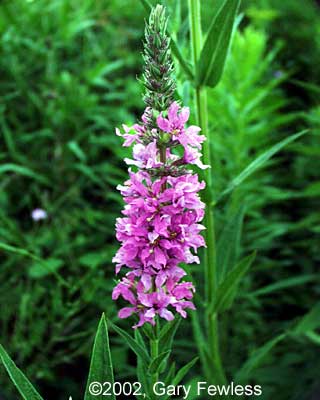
x: 161, y: 223
x: 189, y: 137
x: 145, y: 156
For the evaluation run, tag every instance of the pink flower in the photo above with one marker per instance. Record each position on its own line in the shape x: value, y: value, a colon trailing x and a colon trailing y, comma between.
x: 161, y: 223
x: 189, y: 137
x: 130, y: 135
x: 145, y: 156
x: 176, y: 119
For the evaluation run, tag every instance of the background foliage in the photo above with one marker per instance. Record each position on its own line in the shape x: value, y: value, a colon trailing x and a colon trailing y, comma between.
x: 68, y: 77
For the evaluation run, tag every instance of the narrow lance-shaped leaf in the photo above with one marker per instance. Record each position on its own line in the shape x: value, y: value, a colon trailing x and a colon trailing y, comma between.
x: 284, y: 284
x: 228, y: 288
x: 171, y: 373
x: 260, y: 161
x: 25, y: 388
x: 157, y: 362
x: 182, y: 373
x: 133, y: 344
x: 213, y: 55
x: 168, y: 332
x: 228, y: 244
x: 309, y: 322
x: 142, y: 374
x: 256, y: 359
x: 24, y: 171
x: 43, y: 263
x: 101, y: 369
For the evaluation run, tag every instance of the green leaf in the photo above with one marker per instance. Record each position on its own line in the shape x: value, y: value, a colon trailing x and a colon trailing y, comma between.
x: 227, y: 290
x: 168, y: 332
x: 77, y: 151
x: 26, y: 253
x: 259, y: 162
x: 285, y: 283
x: 309, y: 322
x: 170, y: 375
x: 212, y: 366
x: 228, y: 244
x: 25, y: 388
x: 133, y: 344
x: 101, y: 369
x: 46, y: 267
x: 141, y: 370
x: 24, y: 171
x: 313, y: 337
x: 213, y: 55
x: 142, y: 378
x: 256, y: 359
x: 183, y: 371
x: 148, y: 331
x: 157, y: 362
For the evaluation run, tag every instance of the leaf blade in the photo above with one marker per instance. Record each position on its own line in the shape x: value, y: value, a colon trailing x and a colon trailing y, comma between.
x: 226, y: 291
x: 259, y: 162
x: 24, y: 386
x: 213, y: 55
x: 101, y: 369
x: 257, y: 358
x: 228, y: 243
x: 183, y: 371
x: 157, y: 362
x: 134, y: 345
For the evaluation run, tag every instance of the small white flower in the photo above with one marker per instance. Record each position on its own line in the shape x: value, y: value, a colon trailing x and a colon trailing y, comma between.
x: 38, y: 214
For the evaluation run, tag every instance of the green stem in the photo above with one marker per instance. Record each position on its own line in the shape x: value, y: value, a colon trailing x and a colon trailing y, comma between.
x: 154, y: 350
x: 210, y: 251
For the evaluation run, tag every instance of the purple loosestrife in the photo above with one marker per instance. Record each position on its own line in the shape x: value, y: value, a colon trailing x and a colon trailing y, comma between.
x: 161, y: 224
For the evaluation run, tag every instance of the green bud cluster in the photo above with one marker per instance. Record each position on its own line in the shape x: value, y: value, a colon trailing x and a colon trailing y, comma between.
x: 159, y: 69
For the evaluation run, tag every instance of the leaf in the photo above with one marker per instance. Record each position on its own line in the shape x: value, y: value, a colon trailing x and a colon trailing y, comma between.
x: 171, y: 373
x: 310, y: 321
x: 168, y: 332
x: 101, y: 369
x: 26, y: 253
x: 140, y: 340
x: 93, y: 259
x: 142, y: 377
x: 226, y: 291
x: 77, y: 151
x: 256, y: 359
x: 148, y: 331
x: 25, y: 388
x: 157, y: 362
x: 284, y: 283
x: 228, y: 244
x: 259, y: 162
x: 46, y: 267
x: 133, y: 344
x: 211, y: 365
x: 20, y: 170
x: 183, y: 371
x: 213, y: 55
x: 313, y: 337
x: 89, y: 173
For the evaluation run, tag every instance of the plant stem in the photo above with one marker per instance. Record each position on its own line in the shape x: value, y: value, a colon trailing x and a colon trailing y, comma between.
x: 154, y: 350
x: 210, y: 251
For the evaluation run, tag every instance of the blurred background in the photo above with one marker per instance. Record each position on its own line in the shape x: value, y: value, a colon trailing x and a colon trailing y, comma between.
x: 69, y: 74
